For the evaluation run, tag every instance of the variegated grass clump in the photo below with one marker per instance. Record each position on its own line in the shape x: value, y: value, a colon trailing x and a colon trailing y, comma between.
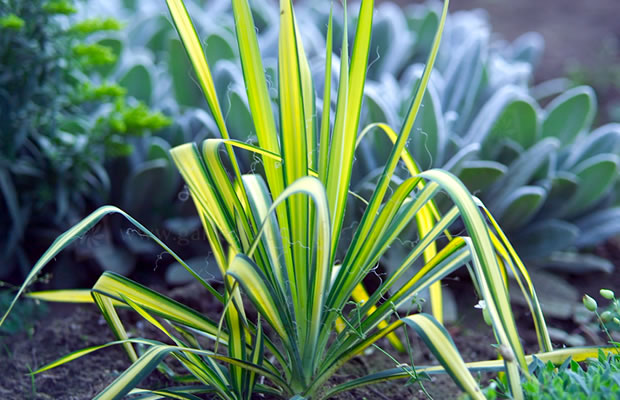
x: 275, y: 235
x: 480, y: 119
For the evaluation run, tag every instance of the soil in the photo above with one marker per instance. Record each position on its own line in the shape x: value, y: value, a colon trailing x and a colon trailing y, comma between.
x: 53, y: 338
x: 69, y: 328
x: 574, y: 31
x: 582, y: 40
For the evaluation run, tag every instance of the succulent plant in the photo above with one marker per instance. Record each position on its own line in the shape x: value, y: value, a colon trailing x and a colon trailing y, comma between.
x: 552, y: 183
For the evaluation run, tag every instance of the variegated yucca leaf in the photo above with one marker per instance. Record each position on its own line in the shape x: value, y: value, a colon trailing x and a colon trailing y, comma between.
x: 276, y: 237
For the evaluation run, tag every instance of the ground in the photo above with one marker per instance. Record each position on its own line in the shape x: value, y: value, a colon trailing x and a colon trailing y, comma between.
x: 582, y: 39
x: 574, y: 30
x: 70, y: 328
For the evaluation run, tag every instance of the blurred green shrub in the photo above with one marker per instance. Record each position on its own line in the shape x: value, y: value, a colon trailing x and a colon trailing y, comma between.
x: 26, y: 315
x: 58, y: 125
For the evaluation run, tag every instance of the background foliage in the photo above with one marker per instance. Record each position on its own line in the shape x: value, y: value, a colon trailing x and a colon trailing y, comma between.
x: 60, y: 123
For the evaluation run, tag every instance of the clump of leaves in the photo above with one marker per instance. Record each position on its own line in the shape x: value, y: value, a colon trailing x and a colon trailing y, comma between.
x: 600, y: 379
x: 59, y: 122
x: 481, y: 120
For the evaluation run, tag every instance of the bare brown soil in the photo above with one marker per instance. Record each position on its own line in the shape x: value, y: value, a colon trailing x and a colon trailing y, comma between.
x: 574, y: 30
x: 582, y: 41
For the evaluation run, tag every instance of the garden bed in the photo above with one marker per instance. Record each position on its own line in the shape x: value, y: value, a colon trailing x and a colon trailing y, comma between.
x: 68, y: 328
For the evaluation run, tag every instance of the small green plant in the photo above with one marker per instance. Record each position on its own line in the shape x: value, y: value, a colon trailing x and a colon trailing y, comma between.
x: 599, y: 380
x: 609, y: 318
x: 27, y: 313
x: 275, y: 235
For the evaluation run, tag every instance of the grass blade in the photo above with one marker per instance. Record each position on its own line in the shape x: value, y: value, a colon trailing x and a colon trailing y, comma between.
x: 196, y: 54
x: 327, y: 93
x: 77, y: 231
x: 258, y: 94
x: 294, y: 155
x: 342, y: 146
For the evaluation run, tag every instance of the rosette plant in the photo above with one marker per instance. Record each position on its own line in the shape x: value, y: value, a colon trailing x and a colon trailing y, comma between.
x: 274, y: 234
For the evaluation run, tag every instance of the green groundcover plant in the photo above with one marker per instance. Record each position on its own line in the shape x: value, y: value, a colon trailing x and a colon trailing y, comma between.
x: 599, y: 380
x: 275, y: 232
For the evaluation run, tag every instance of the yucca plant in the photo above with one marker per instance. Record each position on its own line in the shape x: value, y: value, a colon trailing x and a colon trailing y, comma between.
x: 480, y: 91
x: 281, y: 253
x: 479, y: 117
